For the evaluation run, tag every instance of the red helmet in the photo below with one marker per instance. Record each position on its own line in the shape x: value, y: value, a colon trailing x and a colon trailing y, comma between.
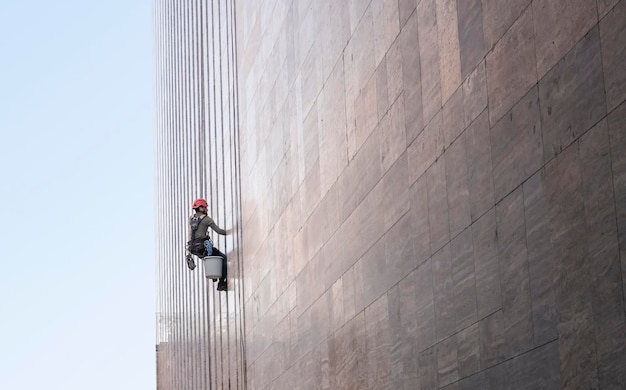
x: 199, y: 202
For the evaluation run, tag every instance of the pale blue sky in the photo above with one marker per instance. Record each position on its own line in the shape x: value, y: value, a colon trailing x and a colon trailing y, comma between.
x: 77, y: 291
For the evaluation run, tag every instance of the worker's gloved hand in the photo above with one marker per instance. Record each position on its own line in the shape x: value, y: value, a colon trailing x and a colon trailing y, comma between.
x: 190, y: 263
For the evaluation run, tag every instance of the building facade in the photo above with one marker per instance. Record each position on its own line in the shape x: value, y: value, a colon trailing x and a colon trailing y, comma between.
x: 423, y: 193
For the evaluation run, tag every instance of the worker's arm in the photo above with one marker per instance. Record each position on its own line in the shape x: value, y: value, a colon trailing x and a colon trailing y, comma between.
x: 216, y: 228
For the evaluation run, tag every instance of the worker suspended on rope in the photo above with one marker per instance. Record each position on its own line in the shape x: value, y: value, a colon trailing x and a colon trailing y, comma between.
x: 200, y: 243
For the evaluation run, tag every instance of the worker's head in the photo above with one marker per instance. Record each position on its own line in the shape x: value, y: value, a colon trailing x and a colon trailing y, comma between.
x: 198, y: 203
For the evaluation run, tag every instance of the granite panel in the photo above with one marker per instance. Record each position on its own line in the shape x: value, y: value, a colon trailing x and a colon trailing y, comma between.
x: 334, y: 35
x: 448, y: 37
x: 393, y: 137
x: 437, y: 205
x: 479, y: 168
x: 406, y: 331
x: 333, y: 148
x: 382, y: 94
x: 577, y: 348
x: 486, y: 264
x: 405, y: 9
x: 411, y: 80
x: 474, y: 94
x: 366, y: 112
x: 453, y: 117
x: 336, y: 310
x: 537, y: 369
x: 492, y: 346
x: 572, y: 96
x: 617, y: 138
x: 399, y: 252
x: 386, y: 24
x: 349, y: 294
x: 426, y: 16
x: 346, y: 356
x: 375, y: 273
x: 311, y: 139
x: 468, y: 342
x: 457, y: 182
x: 511, y: 68
x: 424, y: 305
x: 541, y: 259
x: 447, y: 362
x: 378, y: 353
x: 311, y: 77
x: 498, y: 16
x: 427, y: 369
x: 463, y: 280
x: 443, y: 289
x: 426, y: 148
x: 516, y: 300
x: 419, y: 220
x: 471, y: 42
x: 396, y: 339
x: 394, y: 78
x: 603, y: 256
x: 553, y: 38
x: 516, y: 145
x: 613, y: 37
x: 395, y: 193
x: 605, y: 6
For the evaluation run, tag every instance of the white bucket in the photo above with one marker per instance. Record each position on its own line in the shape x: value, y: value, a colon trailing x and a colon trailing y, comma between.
x: 212, y: 267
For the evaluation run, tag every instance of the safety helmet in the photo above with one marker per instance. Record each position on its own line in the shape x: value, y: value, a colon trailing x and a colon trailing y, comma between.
x: 199, y: 202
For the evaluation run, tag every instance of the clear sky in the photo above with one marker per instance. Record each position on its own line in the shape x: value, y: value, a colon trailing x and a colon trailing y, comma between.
x: 77, y: 276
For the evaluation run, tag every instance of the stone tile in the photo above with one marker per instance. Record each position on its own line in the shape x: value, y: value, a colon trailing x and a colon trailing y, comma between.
x: 395, y: 193
x: 311, y: 77
x: 474, y: 94
x: 336, y: 306
x: 346, y: 356
x: 407, y: 331
x: 603, y: 256
x: 468, y: 354
x: 577, y: 348
x: 393, y: 138
x: 457, y: 182
x: 617, y: 138
x: 613, y: 37
x: 335, y: 34
x: 572, y: 96
x: 498, y: 17
x: 516, y: 300
x: 471, y: 42
x: 311, y: 139
x: 366, y: 111
x: 377, y: 344
x: 349, y: 294
x: 464, y: 283
x: 405, y: 9
x: 511, y: 68
x: 429, y: 58
x: 491, y: 330
x: 357, y: 10
x: 478, y: 381
x: 375, y: 273
x: 419, y: 220
x: 424, y: 299
x: 553, y: 38
x: 386, y: 24
x: 541, y: 259
x: 453, y: 117
x: 448, y: 36
x: 399, y: 252
x: 333, y: 148
x: 437, y: 205
x: 382, y: 95
x: 605, y: 6
x: 393, y: 66
x: 360, y: 176
x: 399, y: 346
x: 537, y: 369
x: 516, y: 145
x: 443, y: 290
x: 486, y: 265
x: 411, y: 80
x: 427, y: 369
x: 447, y: 362
x: 426, y: 148
x: 479, y: 168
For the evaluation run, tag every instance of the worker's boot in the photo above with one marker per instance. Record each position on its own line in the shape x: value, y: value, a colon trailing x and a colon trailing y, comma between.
x: 190, y: 263
x: 222, y: 285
